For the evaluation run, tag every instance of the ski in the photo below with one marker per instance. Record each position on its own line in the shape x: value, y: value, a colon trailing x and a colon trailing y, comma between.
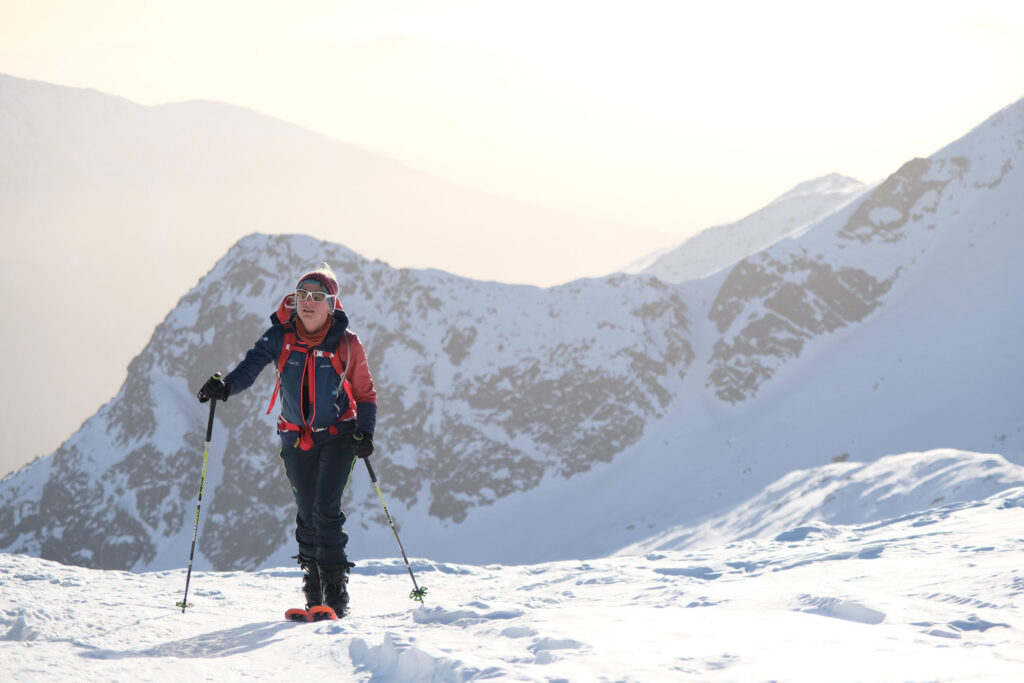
x: 318, y: 613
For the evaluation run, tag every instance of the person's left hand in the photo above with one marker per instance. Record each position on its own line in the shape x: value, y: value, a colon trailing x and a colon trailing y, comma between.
x: 363, y: 444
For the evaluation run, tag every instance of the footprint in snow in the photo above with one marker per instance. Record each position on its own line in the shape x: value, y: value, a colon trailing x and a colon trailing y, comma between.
x: 703, y: 573
x: 542, y: 648
x: 463, y: 617
x: 838, y: 608
x: 518, y: 632
x: 954, y: 629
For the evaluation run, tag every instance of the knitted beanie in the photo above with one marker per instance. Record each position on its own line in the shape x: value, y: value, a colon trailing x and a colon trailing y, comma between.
x: 322, y: 276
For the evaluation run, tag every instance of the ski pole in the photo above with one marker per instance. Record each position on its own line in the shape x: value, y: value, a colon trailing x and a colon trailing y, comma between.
x: 417, y: 592
x: 202, y: 479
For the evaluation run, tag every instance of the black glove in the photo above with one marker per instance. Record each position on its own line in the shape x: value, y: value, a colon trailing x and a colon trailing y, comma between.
x: 362, y: 444
x: 215, y: 389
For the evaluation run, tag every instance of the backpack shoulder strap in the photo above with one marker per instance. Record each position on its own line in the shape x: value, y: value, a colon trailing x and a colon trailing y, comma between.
x: 339, y: 367
x: 287, y: 346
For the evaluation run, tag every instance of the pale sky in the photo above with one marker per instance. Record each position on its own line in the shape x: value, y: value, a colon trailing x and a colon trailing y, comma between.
x: 672, y: 116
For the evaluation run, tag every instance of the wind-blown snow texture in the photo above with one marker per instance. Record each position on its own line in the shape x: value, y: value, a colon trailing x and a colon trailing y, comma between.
x: 525, y: 425
x: 928, y: 594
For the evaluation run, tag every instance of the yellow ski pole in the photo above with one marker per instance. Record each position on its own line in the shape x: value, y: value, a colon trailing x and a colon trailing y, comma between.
x: 417, y: 592
x: 202, y: 479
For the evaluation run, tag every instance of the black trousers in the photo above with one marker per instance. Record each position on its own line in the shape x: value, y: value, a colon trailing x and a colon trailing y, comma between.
x: 318, y: 478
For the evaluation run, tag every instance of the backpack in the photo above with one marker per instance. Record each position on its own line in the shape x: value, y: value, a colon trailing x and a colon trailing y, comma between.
x: 292, y: 343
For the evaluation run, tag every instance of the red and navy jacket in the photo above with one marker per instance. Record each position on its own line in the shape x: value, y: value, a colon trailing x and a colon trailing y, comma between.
x: 315, y: 401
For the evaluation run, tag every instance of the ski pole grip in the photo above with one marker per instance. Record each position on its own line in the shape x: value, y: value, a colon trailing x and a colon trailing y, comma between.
x: 209, y: 425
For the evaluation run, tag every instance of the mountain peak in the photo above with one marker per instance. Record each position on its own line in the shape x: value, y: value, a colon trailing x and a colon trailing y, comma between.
x: 724, y: 245
x: 826, y: 184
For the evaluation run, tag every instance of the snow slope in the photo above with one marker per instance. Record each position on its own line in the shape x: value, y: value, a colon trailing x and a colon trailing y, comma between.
x: 922, y: 596
x: 808, y: 502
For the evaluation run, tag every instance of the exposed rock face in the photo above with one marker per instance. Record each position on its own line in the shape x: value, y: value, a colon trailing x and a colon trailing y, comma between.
x: 771, y: 304
x: 905, y: 197
x: 788, y: 303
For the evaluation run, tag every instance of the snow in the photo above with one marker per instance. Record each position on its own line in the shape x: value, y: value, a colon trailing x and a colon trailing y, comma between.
x: 718, y: 546
x: 849, y: 493
x: 925, y: 595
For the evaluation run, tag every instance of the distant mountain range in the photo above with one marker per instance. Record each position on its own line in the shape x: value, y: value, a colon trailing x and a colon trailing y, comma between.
x: 718, y: 247
x: 520, y: 424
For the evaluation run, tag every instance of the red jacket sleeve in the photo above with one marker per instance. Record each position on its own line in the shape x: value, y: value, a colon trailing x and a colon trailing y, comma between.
x: 359, y: 373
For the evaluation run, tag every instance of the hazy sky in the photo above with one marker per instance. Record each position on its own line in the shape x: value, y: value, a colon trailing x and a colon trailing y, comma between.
x: 666, y: 115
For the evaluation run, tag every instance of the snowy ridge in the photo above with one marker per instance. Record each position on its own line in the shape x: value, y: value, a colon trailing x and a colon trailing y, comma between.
x: 925, y: 596
x: 721, y: 246
x: 932, y: 210
x: 813, y: 501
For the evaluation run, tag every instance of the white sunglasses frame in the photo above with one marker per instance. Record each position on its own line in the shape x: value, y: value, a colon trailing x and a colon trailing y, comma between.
x: 310, y: 295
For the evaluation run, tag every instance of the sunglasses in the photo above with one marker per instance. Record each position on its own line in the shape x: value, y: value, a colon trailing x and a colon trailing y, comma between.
x: 317, y: 297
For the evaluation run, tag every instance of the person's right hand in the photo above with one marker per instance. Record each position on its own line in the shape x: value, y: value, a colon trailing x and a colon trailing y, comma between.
x: 214, y: 388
